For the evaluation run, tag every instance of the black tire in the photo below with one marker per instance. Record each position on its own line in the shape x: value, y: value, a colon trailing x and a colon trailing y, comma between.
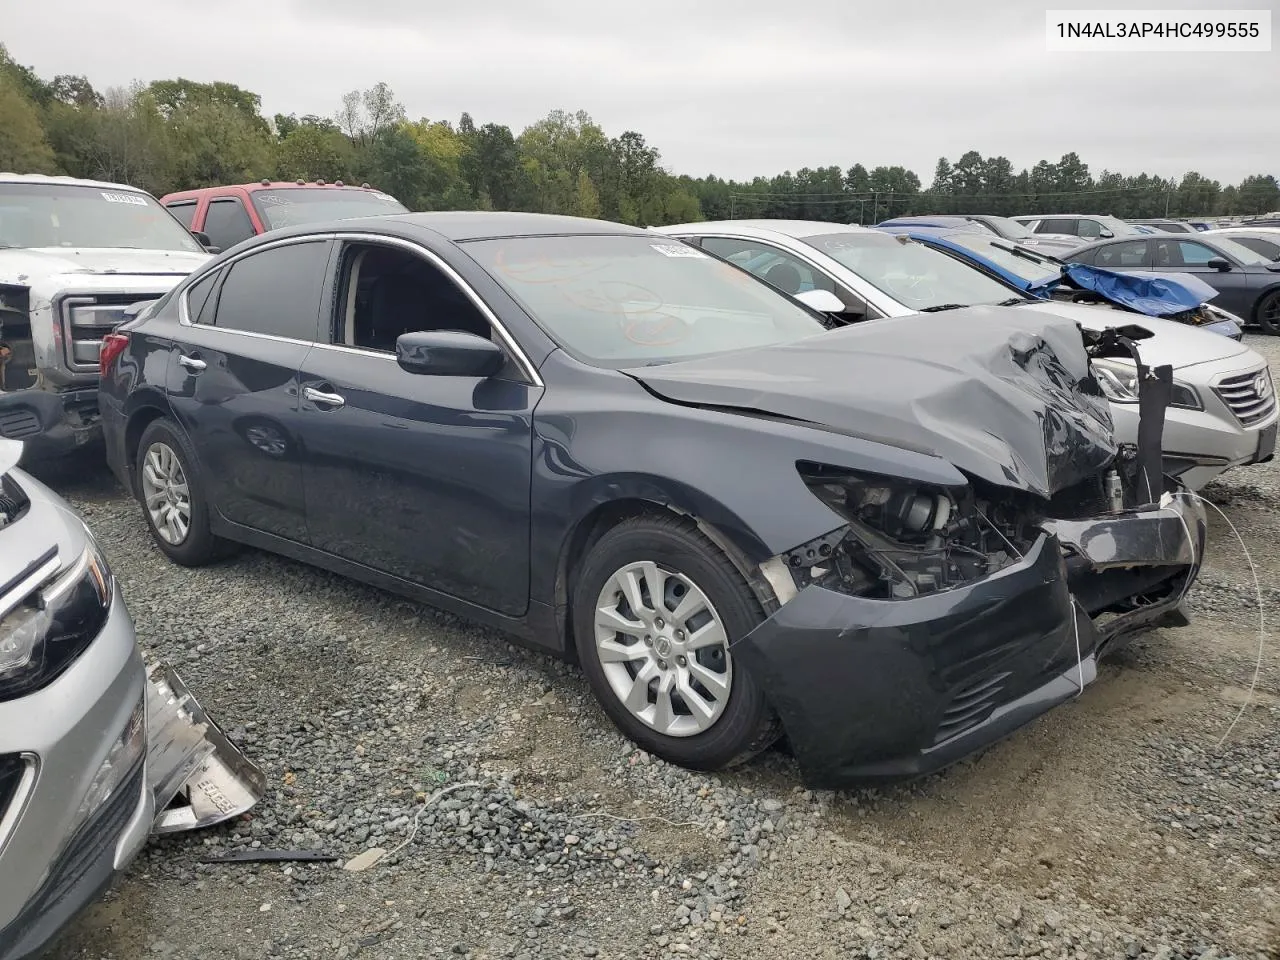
x: 1267, y: 313
x: 747, y: 724
x: 199, y: 546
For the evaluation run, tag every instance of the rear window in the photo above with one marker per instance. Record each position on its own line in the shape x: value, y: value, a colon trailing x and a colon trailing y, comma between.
x: 293, y: 206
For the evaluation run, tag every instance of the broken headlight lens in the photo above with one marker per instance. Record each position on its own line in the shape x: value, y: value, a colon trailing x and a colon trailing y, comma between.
x: 121, y: 760
x: 1119, y: 382
x: 902, y: 539
x: 48, y: 629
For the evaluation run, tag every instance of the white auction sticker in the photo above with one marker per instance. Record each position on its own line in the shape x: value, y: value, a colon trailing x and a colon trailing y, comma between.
x: 133, y: 198
x: 1158, y: 31
x: 678, y: 250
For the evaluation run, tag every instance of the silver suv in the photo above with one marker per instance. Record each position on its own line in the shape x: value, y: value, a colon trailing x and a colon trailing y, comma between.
x: 75, y: 805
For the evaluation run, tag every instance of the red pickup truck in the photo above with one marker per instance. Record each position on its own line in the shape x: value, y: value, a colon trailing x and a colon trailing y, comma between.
x: 223, y: 216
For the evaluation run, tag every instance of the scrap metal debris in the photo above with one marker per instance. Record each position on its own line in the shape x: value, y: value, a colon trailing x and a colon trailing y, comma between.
x: 261, y: 855
x: 198, y: 775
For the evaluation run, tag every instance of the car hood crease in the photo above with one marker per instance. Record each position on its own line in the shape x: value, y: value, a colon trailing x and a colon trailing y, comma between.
x: 1004, y: 395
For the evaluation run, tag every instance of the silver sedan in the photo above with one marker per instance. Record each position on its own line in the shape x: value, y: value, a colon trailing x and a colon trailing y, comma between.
x: 1224, y: 412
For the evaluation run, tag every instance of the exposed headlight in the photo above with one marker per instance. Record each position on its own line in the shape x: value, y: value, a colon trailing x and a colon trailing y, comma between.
x: 1119, y: 382
x: 49, y: 628
x: 121, y: 760
x: 901, y: 540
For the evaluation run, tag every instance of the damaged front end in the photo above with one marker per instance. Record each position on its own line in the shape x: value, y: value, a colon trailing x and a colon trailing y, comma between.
x: 936, y: 620
x: 197, y: 775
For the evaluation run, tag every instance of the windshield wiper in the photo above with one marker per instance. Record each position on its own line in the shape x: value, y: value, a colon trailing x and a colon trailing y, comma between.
x: 944, y: 306
x: 1014, y: 301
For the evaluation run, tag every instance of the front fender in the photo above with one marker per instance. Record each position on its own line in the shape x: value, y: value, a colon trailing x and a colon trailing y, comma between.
x: 732, y: 471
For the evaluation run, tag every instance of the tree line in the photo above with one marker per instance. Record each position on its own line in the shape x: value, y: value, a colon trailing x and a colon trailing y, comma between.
x: 178, y: 134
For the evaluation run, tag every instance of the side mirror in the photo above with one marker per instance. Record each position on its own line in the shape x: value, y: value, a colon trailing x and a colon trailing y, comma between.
x: 448, y: 353
x: 202, y: 238
x: 824, y: 301
x: 1105, y: 234
x: 1218, y: 263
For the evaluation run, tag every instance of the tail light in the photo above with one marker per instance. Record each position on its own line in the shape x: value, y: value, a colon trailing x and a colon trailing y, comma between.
x: 113, y: 344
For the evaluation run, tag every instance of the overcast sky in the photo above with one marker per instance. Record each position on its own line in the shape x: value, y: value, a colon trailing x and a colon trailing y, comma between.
x: 734, y: 88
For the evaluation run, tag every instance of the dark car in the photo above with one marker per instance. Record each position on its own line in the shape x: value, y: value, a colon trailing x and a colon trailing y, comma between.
x: 618, y: 448
x: 1248, y: 282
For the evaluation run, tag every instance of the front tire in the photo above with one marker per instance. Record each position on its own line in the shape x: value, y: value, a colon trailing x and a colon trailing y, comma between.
x: 655, y: 607
x: 1268, y: 313
x: 172, y: 496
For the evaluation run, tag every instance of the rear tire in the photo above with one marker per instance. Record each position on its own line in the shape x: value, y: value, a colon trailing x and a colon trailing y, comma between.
x: 1267, y: 313
x: 689, y: 705
x: 171, y: 493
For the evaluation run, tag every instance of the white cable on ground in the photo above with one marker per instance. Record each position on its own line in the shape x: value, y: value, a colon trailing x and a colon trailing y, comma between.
x: 426, y: 803
x: 1262, y: 618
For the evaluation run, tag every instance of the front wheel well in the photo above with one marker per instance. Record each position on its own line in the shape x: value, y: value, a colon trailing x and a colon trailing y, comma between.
x: 608, y: 515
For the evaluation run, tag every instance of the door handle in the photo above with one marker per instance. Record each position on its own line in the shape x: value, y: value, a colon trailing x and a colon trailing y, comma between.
x: 319, y: 396
x: 194, y: 364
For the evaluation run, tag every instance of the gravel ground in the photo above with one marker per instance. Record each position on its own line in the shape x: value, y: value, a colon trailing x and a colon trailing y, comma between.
x: 518, y: 824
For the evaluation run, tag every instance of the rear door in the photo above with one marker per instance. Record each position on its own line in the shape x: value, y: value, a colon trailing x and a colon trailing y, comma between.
x: 1122, y: 255
x: 227, y: 222
x: 232, y: 380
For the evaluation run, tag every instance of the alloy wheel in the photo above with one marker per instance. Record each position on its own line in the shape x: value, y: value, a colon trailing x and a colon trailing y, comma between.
x: 165, y: 493
x: 664, y: 649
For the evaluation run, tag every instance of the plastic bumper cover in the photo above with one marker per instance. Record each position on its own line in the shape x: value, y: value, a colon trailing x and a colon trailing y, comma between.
x: 874, y: 690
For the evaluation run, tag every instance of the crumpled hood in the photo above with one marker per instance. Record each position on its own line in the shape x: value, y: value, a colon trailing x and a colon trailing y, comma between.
x: 1005, y: 395
x: 18, y: 266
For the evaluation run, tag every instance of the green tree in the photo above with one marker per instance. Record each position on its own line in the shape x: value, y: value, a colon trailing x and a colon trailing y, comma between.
x: 313, y: 151
x: 1257, y: 194
x: 588, y: 203
x: 23, y: 146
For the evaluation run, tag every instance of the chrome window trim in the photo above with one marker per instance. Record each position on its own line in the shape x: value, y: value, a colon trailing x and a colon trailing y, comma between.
x: 527, y: 368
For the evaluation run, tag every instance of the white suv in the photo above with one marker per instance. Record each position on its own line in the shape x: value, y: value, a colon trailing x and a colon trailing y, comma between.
x: 74, y: 255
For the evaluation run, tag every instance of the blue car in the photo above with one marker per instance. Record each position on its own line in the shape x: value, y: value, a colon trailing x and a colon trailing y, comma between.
x: 1040, y: 275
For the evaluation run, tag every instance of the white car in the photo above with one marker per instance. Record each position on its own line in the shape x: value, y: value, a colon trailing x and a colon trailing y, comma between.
x: 1224, y: 412
x: 74, y: 255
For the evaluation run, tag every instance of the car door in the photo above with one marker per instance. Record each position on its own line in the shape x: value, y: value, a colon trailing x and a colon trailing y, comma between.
x: 786, y: 271
x: 426, y: 478
x: 232, y: 381
x: 1173, y: 254
x: 1133, y: 255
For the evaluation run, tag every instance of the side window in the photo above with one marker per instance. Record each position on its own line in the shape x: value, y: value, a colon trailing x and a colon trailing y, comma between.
x: 1195, y: 254
x: 226, y: 223
x: 184, y: 211
x: 1061, y: 225
x: 1089, y: 229
x: 276, y: 292
x: 776, y: 267
x: 1117, y: 256
x: 200, y: 299
x: 385, y: 291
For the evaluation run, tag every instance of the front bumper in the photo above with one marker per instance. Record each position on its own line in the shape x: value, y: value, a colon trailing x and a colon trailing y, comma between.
x: 46, y: 879
x: 882, y: 690
x: 50, y: 423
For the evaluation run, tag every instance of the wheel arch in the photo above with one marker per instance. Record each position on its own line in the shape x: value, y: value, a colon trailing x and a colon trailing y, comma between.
x: 1263, y: 295
x: 145, y: 407
x: 729, y: 535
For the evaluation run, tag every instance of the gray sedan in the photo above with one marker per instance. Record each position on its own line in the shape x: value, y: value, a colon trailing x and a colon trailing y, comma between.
x: 1248, y: 282
x: 75, y: 805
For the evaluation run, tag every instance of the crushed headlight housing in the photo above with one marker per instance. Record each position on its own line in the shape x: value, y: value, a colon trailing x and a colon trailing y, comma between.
x: 1119, y: 381
x: 122, y: 759
x: 45, y: 631
x: 901, y: 540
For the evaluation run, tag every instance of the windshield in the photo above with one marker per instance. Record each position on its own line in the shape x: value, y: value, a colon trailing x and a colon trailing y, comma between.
x: 62, y: 215
x: 622, y: 301
x: 1032, y: 267
x: 1250, y: 258
x: 291, y: 206
x: 915, y: 275
x: 1011, y: 229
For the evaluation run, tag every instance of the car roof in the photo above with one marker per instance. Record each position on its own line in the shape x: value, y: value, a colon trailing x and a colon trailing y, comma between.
x: 259, y: 185
x: 64, y: 181
x: 790, y: 228
x: 465, y: 225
